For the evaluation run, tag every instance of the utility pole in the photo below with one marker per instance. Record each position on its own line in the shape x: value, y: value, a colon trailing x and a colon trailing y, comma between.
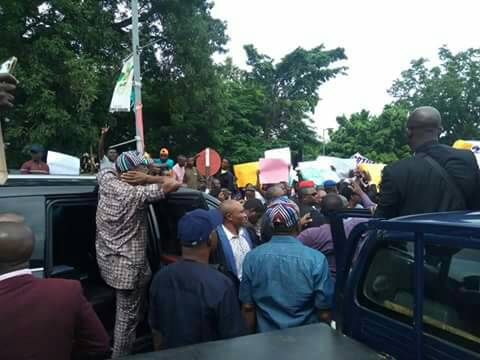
x: 137, y: 81
x: 324, y: 138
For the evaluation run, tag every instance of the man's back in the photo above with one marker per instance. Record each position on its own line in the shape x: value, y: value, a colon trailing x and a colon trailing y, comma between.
x: 287, y: 282
x: 192, y: 303
x: 413, y: 186
x: 47, y: 319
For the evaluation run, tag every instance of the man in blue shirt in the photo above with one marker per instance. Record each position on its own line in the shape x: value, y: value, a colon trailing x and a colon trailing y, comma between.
x: 285, y: 284
x: 191, y: 302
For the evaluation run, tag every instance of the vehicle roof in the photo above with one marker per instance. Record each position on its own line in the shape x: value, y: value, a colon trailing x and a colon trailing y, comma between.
x: 461, y: 218
x: 33, y: 185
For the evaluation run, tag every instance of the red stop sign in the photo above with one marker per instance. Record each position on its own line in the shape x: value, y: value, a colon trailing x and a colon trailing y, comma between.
x: 215, y: 162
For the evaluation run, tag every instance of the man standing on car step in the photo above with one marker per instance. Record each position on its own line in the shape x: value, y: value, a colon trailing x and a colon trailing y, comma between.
x: 121, y: 238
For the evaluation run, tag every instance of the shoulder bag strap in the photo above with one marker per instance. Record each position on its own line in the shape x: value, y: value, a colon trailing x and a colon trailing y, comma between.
x: 445, y: 176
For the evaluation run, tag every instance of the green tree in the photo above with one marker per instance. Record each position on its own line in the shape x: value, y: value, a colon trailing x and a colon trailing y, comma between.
x: 290, y: 92
x: 379, y: 138
x: 68, y: 58
x: 453, y: 87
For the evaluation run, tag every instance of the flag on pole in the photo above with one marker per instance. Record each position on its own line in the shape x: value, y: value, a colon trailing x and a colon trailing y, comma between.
x: 121, y: 99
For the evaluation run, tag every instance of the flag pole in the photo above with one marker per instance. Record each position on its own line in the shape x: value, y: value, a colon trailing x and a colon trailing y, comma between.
x: 137, y: 81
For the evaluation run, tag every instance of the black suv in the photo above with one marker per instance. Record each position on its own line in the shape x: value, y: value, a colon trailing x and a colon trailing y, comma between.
x: 61, y: 212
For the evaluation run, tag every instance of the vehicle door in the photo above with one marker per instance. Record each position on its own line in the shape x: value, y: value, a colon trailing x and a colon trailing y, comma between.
x: 412, y: 294
x: 70, y: 250
x: 164, y: 215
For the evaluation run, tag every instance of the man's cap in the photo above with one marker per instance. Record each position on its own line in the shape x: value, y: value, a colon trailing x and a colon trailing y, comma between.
x: 129, y: 160
x: 306, y: 184
x: 329, y: 183
x: 37, y: 149
x: 251, y: 188
x: 283, y: 213
x: 196, y: 226
x: 164, y: 151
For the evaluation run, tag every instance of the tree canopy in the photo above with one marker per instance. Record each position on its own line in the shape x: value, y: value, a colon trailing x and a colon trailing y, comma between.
x: 70, y: 53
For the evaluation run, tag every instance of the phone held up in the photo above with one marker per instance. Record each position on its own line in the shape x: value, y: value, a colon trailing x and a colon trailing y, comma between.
x: 9, y: 65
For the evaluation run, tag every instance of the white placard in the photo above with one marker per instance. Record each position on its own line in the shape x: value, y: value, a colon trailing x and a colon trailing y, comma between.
x: 281, y: 153
x: 62, y: 164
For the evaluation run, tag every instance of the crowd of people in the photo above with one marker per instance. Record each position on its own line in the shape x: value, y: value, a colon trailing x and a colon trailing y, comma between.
x: 264, y: 260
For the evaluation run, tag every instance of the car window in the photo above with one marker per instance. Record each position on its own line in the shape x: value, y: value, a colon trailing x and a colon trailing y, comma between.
x: 168, y: 213
x: 73, y: 237
x: 452, y: 289
x: 33, y: 210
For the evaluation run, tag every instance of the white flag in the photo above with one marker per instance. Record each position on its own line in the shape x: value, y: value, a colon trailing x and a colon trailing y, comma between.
x: 123, y: 89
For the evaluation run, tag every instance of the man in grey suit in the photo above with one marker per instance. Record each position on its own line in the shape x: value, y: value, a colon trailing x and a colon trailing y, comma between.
x: 437, y: 178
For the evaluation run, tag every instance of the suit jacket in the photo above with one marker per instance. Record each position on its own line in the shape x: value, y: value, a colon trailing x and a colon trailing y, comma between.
x: 47, y: 319
x: 227, y: 180
x: 223, y: 255
x: 413, y: 186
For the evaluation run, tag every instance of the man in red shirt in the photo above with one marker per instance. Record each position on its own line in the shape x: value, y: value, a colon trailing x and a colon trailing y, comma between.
x: 35, y: 166
x: 42, y: 318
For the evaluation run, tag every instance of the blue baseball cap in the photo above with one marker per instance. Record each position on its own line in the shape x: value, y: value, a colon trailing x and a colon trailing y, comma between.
x: 36, y: 149
x: 329, y: 184
x: 196, y: 226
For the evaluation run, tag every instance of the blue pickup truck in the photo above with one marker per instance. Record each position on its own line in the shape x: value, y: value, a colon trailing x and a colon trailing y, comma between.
x: 407, y: 288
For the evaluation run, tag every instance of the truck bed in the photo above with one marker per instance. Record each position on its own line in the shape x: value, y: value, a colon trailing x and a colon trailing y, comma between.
x: 311, y: 342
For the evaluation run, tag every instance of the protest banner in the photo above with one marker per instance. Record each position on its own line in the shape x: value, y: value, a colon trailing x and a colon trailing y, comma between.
x: 246, y: 173
x: 472, y: 145
x: 122, y: 95
x: 360, y: 159
x: 375, y: 171
x: 340, y: 166
x: 62, y: 164
x: 317, y: 171
x: 281, y: 153
x: 273, y: 171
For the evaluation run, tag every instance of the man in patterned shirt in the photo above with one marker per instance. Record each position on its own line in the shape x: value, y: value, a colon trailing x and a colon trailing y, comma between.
x: 122, y: 235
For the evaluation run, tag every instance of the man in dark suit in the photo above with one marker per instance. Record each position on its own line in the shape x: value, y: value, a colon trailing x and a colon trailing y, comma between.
x: 42, y: 318
x: 437, y: 178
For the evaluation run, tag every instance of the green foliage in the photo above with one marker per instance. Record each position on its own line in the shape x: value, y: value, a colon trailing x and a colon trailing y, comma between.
x: 379, y: 138
x: 453, y: 87
x: 70, y: 53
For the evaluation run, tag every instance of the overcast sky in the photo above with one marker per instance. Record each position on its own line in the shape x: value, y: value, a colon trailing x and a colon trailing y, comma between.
x: 380, y: 38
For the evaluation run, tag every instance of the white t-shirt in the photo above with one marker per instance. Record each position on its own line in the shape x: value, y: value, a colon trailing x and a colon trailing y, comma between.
x: 105, y: 163
x: 240, y: 248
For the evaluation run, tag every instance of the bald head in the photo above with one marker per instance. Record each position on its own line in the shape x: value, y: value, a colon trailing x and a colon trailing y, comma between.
x: 16, y: 245
x: 330, y: 204
x: 423, y: 125
x: 274, y: 192
x: 234, y: 214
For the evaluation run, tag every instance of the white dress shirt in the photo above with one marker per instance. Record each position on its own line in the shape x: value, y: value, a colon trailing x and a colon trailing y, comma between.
x: 240, y: 248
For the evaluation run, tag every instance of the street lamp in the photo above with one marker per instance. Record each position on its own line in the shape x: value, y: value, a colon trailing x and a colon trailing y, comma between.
x: 323, y: 138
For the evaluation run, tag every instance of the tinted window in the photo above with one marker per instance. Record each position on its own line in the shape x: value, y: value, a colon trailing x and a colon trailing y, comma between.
x: 452, y: 290
x: 33, y: 210
x: 73, y: 238
x: 168, y: 213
